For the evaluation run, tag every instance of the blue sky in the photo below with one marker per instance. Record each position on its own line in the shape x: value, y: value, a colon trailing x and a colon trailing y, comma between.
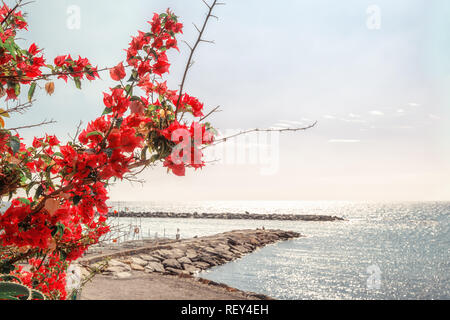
x: 380, y: 96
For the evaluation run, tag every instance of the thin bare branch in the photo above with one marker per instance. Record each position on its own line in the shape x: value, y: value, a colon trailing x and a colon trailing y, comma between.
x: 206, y: 3
x: 45, y: 122
x: 187, y: 44
x: 199, y: 39
x: 260, y: 130
x: 210, y: 113
x: 208, y: 41
x: 196, y: 27
x: 19, y: 108
x: 76, y: 132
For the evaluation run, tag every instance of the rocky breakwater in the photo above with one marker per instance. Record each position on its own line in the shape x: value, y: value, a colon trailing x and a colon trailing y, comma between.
x: 228, y: 216
x: 190, y: 256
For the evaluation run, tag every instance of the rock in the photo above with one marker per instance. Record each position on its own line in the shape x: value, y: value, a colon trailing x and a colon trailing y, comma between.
x: 172, y: 254
x: 191, y: 254
x: 171, y: 263
x: 118, y: 264
x: 240, y: 248
x: 210, y: 261
x: 253, y: 241
x: 202, y: 265
x: 190, y: 268
x: 138, y: 261
x: 115, y: 269
x: 148, y: 257
x: 177, y: 271
x: 123, y: 275
x: 158, y: 257
x: 154, y: 267
x: 137, y: 267
x: 184, y: 260
x: 114, y: 262
x: 209, y: 250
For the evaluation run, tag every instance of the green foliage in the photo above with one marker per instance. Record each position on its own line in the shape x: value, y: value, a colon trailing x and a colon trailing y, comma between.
x: 14, y: 291
x: 17, y: 291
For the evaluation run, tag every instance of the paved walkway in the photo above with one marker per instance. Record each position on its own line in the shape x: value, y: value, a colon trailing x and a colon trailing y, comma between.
x: 156, y: 287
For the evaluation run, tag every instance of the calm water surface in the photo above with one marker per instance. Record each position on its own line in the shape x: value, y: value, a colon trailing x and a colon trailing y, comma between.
x: 383, y: 251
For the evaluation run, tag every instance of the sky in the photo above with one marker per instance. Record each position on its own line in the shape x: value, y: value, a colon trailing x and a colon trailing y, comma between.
x: 373, y: 74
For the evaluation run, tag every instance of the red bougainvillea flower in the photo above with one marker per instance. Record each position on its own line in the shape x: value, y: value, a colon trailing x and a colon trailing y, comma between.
x: 162, y: 66
x: 118, y: 72
x: 177, y: 169
x: 59, y: 61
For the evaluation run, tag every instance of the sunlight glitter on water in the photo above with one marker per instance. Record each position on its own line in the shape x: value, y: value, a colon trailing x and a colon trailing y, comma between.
x: 407, y: 242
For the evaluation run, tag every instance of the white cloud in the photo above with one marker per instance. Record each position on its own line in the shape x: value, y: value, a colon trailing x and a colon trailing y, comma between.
x: 376, y: 113
x: 413, y: 104
x: 327, y: 116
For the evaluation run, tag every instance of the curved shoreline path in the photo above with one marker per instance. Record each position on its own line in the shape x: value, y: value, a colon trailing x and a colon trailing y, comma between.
x: 168, y: 270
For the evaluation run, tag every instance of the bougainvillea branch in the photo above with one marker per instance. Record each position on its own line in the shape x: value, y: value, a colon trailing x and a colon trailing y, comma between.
x: 61, y: 210
x: 65, y: 209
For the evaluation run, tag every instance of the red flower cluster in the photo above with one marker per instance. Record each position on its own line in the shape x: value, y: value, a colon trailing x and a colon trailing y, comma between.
x: 66, y: 67
x: 67, y: 212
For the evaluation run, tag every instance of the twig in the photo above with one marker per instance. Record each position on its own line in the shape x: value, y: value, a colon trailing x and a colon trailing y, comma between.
x: 76, y: 132
x: 210, y: 113
x: 260, y: 130
x: 31, y: 125
x: 199, y: 39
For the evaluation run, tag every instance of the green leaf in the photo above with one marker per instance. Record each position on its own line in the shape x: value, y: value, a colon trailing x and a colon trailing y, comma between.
x: 77, y: 82
x: 94, y: 133
x: 134, y: 76
x: 106, y: 111
x: 155, y: 158
x: 17, y: 89
x: 14, y: 143
x: 14, y: 291
x: 144, y: 153
x: 119, y: 123
x: 24, y: 201
x: 39, y: 192
x: 129, y: 89
x: 31, y: 91
x: 9, y: 45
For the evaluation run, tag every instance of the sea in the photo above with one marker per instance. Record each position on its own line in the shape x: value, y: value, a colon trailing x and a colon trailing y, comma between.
x: 382, y: 251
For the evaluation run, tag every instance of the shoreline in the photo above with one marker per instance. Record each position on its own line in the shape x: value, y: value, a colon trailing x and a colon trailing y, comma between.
x: 226, y: 216
x: 170, y: 269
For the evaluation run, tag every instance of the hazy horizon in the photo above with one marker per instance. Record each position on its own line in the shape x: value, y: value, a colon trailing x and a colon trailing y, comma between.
x: 378, y: 89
